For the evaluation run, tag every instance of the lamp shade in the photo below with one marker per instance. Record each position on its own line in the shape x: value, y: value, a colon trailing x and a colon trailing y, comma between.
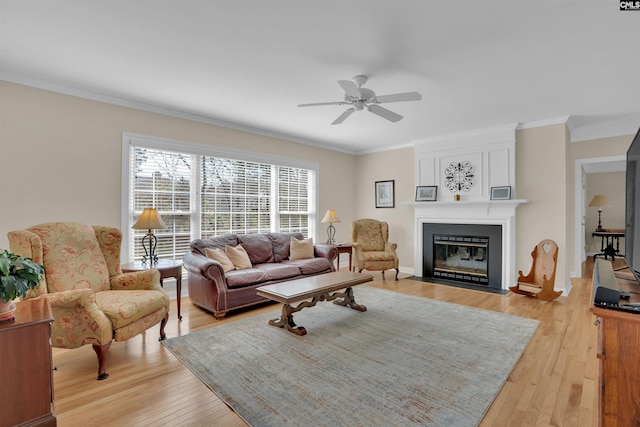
x: 149, y: 219
x: 330, y: 216
x: 599, y: 201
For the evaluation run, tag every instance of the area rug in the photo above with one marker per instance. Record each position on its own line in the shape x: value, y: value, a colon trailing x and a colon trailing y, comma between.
x: 406, y: 360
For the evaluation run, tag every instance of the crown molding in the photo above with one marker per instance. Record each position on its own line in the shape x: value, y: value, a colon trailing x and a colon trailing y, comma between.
x: 152, y: 108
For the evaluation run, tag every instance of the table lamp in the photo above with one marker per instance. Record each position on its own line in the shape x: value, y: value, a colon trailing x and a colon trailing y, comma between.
x: 599, y: 201
x: 149, y: 220
x: 331, y: 217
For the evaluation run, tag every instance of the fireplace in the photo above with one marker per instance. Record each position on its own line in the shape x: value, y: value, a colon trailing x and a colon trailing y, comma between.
x: 468, y: 253
x: 461, y: 258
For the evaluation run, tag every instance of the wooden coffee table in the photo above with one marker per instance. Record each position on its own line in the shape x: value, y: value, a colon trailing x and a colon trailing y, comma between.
x: 318, y: 288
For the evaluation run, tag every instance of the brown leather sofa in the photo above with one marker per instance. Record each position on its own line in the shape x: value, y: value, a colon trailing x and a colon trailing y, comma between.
x: 218, y: 292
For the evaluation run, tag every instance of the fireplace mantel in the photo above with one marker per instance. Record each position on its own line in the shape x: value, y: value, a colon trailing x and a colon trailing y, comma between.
x: 482, y: 204
x: 498, y: 212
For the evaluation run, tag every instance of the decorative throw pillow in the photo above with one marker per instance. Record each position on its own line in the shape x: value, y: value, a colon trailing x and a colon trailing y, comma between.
x: 301, y: 249
x: 220, y: 256
x: 238, y: 257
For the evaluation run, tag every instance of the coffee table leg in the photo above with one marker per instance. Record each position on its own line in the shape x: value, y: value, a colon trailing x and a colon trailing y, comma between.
x: 348, y: 299
x: 286, y: 320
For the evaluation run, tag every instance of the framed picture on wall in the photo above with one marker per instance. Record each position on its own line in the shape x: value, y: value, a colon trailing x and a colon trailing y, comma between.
x: 385, y: 194
x: 425, y: 193
x: 501, y: 193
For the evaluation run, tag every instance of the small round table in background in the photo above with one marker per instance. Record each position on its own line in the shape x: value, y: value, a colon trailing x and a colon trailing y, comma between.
x: 166, y: 267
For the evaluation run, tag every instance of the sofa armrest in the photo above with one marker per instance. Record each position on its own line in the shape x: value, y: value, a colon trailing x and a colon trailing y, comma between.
x: 208, y: 268
x: 329, y: 252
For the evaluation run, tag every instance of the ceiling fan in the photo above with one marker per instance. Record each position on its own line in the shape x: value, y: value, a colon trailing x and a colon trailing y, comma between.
x: 361, y: 98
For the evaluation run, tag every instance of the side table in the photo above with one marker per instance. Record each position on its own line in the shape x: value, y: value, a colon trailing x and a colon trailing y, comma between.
x: 166, y: 267
x: 608, y: 239
x: 344, y: 248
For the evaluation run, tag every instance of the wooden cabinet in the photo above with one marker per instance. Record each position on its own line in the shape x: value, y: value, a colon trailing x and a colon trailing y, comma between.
x: 619, y: 354
x: 26, y: 376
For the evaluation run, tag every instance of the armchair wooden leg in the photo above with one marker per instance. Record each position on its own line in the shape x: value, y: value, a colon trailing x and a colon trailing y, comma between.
x: 397, y: 272
x: 101, y: 352
x: 163, y: 336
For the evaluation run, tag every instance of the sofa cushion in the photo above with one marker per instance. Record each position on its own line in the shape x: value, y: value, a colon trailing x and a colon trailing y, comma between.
x: 220, y: 256
x: 281, y: 243
x: 219, y: 242
x: 279, y: 271
x: 258, y: 246
x: 301, y: 249
x: 245, y: 277
x: 238, y: 256
x: 311, y: 265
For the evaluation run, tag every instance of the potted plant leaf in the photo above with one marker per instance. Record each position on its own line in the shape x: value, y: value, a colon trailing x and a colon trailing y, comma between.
x: 18, y: 275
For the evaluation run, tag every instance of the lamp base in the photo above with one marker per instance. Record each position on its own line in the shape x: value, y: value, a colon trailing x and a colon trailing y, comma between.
x: 150, y: 254
x: 331, y: 234
x: 599, y: 228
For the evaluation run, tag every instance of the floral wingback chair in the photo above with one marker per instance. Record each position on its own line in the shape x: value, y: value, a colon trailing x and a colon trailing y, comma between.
x: 372, y: 250
x: 92, y: 301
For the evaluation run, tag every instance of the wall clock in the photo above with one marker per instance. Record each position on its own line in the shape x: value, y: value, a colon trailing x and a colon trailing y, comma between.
x: 459, y: 176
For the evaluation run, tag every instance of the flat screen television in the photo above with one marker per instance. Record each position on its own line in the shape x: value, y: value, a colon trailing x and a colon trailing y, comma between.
x: 632, y: 210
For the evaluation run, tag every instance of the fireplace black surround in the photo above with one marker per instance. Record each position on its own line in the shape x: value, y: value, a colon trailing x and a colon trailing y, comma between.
x: 480, y: 246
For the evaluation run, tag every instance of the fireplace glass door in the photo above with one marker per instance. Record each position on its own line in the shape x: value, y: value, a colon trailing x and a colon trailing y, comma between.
x: 463, y: 258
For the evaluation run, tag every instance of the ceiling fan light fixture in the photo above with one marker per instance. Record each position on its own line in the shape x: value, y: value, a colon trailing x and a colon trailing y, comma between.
x: 360, y: 98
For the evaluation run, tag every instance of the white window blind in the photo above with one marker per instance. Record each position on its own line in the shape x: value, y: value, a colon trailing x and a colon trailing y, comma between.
x: 162, y: 179
x: 201, y: 194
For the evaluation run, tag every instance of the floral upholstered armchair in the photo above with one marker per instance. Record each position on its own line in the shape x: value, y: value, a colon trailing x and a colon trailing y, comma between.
x: 371, y: 247
x: 92, y: 301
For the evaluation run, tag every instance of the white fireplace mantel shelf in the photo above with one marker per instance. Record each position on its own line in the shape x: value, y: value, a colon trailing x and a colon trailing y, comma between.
x: 477, y: 203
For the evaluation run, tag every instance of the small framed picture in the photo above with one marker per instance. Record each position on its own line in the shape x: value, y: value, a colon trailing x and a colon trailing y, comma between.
x: 385, y: 194
x: 426, y: 193
x: 501, y: 193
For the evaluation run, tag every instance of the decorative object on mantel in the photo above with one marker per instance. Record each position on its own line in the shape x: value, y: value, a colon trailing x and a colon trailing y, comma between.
x: 501, y: 193
x: 385, y: 194
x: 149, y: 220
x: 540, y: 280
x: 331, y: 216
x: 459, y: 176
x: 18, y: 275
x: 426, y: 193
x: 600, y: 202
x: 456, y: 197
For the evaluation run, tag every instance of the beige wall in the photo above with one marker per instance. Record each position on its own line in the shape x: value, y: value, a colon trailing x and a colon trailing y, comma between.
x: 541, y: 179
x: 394, y: 165
x: 61, y: 158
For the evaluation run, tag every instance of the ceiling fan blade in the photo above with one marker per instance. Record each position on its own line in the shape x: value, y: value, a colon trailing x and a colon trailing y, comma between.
x: 398, y: 97
x: 384, y: 113
x: 343, y: 116
x: 322, y: 103
x: 350, y: 88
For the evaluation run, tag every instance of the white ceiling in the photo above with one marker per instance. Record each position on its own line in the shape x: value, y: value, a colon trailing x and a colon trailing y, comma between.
x: 248, y: 63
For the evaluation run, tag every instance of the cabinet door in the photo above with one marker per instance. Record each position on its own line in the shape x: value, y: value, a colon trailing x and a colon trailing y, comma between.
x: 620, y: 364
x: 26, y: 395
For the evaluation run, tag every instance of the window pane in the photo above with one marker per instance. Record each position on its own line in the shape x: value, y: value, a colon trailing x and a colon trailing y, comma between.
x: 234, y: 196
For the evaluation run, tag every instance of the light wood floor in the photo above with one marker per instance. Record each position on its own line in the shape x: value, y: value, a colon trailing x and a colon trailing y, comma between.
x: 553, y: 384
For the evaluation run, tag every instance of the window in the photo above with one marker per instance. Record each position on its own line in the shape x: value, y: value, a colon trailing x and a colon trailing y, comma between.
x: 203, y: 191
